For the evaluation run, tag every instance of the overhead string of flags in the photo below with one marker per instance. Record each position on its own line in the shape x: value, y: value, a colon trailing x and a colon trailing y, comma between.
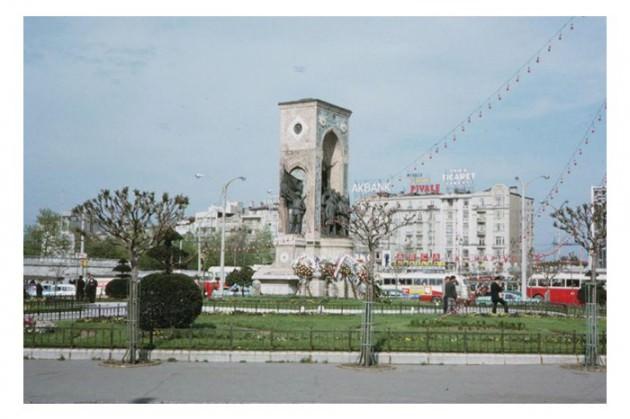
x: 485, y: 106
x: 569, y: 168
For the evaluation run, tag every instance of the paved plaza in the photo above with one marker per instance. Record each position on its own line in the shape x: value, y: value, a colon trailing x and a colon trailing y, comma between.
x: 47, y: 381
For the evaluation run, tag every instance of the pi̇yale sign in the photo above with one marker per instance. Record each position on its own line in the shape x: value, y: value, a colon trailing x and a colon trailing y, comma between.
x: 421, y: 185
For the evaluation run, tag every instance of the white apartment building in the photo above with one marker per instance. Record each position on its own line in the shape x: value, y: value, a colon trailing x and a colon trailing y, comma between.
x: 253, y: 218
x: 470, y: 232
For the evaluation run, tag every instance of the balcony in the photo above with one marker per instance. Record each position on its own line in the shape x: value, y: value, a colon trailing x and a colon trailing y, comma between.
x: 481, y: 232
x: 481, y: 220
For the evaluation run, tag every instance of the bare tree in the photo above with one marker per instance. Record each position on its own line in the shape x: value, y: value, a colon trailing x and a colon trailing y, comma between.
x: 586, y: 225
x: 138, y: 223
x: 371, y: 221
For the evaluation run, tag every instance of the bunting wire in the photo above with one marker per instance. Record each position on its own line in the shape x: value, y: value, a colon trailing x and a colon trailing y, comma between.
x: 485, y: 105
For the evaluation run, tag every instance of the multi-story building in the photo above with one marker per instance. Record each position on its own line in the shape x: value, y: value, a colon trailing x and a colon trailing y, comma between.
x: 470, y: 231
x: 253, y: 218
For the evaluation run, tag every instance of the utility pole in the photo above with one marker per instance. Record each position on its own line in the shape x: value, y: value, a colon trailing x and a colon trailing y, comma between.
x: 225, y: 189
x: 524, y: 247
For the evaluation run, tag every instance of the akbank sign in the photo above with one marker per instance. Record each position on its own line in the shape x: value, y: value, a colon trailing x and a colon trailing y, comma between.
x: 371, y: 187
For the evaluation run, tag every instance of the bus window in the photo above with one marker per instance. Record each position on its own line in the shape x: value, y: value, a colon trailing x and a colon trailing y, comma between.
x: 424, y: 281
x: 532, y: 283
x: 543, y: 282
x: 387, y: 281
x: 557, y: 282
x: 417, y: 281
x: 573, y: 283
x: 434, y: 281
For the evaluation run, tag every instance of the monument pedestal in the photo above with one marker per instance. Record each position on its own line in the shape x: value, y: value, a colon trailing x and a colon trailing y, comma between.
x: 279, y: 279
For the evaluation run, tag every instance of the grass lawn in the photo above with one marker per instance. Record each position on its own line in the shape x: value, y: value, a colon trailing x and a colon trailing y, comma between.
x: 462, y: 333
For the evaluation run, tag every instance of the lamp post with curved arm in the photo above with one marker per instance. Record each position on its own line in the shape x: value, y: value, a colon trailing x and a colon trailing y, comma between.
x: 524, y: 249
x: 225, y: 188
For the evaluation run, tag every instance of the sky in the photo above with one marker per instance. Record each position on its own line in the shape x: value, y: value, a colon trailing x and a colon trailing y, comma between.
x: 149, y: 102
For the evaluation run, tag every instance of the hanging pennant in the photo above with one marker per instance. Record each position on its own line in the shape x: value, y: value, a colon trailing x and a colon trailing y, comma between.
x: 507, y: 87
x: 445, y: 144
x: 571, y: 27
x: 592, y: 130
x: 580, y: 151
x: 586, y: 141
x: 599, y: 118
x: 538, y: 60
x: 463, y: 129
x: 518, y: 78
x: 454, y: 138
x: 499, y: 96
x: 549, y: 48
x: 560, y: 36
x: 480, y: 113
x: 469, y: 119
x: 489, y: 107
x: 529, y: 69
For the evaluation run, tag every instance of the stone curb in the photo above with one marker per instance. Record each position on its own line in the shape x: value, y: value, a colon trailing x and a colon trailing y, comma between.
x: 392, y: 358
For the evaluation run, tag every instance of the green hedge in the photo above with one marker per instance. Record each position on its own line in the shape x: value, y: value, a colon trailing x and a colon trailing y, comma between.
x: 168, y: 300
x: 117, y: 288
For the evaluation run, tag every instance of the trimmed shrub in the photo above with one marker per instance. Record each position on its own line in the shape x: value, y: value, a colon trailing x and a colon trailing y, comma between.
x: 168, y: 300
x: 586, y: 287
x: 117, y: 288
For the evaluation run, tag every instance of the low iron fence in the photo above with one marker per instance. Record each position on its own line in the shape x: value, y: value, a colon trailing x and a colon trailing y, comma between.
x: 208, y: 338
x: 74, y: 312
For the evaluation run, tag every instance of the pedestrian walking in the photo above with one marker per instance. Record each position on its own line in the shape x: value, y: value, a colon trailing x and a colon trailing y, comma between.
x: 451, y: 294
x: 39, y: 290
x: 495, y: 289
x: 80, y: 288
x: 444, y: 296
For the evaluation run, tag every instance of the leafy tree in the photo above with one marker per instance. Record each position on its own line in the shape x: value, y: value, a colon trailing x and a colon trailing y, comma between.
x: 371, y: 221
x: 241, y: 277
x: 105, y: 248
x: 137, y: 222
x: 47, y: 237
x: 119, y: 286
x: 166, y: 253
x: 586, y: 225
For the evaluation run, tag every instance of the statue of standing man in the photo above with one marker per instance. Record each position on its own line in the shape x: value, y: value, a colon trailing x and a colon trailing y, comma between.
x: 291, y: 190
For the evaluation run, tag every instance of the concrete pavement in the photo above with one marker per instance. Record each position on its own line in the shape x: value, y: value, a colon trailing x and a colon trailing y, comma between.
x: 200, y: 382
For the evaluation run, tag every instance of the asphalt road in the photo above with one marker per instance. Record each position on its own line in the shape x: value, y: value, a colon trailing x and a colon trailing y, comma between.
x: 177, y: 382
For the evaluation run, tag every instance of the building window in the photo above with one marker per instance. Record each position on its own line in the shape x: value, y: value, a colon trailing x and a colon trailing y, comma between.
x: 499, y: 240
x: 499, y: 227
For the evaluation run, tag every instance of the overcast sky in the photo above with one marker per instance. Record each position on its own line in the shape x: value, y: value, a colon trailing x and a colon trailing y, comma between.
x: 149, y: 102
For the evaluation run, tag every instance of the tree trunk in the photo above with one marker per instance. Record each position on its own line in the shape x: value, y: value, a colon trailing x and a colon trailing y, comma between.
x: 345, y: 287
x: 367, y: 357
x: 133, y: 312
x: 591, y: 357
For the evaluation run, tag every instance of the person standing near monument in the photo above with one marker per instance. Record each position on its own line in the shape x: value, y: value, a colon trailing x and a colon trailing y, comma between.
x: 80, y: 288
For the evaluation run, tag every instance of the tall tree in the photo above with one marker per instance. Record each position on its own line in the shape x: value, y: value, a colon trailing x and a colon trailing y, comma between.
x: 586, y: 225
x: 136, y: 221
x: 167, y: 253
x: 371, y: 221
x: 47, y: 237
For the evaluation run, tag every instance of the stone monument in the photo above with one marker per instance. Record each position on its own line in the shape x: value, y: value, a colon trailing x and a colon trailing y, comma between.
x: 314, y: 204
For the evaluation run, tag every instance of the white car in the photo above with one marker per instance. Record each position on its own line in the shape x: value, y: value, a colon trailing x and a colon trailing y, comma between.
x: 53, y: 290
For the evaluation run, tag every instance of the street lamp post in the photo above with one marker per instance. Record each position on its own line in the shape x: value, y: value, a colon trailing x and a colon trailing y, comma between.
x: 225, y: 188
x: 523, y: 238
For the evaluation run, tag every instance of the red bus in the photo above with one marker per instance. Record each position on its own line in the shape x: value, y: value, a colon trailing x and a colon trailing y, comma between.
x: 561, y: 288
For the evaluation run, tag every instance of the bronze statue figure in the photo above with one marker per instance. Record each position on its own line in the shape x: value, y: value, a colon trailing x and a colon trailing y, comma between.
x: 291, y: 190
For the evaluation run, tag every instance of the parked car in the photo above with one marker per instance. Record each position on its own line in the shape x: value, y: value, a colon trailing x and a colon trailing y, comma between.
x: 53, y: 290
x: 392, y: 294
x: 235, y: 291
x: 509, y: 297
